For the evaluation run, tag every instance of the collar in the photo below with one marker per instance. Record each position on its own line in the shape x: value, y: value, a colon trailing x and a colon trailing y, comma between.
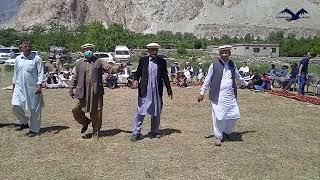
x: 26, y: 57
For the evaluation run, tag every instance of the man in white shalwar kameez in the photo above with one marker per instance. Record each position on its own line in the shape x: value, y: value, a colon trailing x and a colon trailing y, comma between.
x: 150, y: 76
x: 221, y: 80
x: 27, y: 90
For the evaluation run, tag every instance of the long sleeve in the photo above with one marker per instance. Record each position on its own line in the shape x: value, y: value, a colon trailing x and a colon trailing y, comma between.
x: 207, y: 82
x: 74, y: 79
x: 239, y: 78
x: 166, y: 78
x: 40, y: 71
x: 15, y: 71
x: 138, y: 74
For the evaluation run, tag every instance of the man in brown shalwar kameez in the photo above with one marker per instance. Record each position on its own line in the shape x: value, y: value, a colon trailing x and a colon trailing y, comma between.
x: 87, y: 87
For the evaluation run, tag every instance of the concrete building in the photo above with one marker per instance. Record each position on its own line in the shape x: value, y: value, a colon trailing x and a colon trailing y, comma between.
x: 251, y: 50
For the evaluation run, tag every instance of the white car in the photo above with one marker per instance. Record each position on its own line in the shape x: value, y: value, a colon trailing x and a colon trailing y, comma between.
x: 104, y: 56
x: 11, y: 61
x: 122, y: 54
x: 6, y: 53
x: 36, y: 52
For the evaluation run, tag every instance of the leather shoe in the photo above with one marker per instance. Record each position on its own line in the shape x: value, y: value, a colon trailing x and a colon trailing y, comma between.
x: 22, y: 127
x: 31, y: 134
x: 154, y: 135
x: 135, y: 137
x: 84, y: 128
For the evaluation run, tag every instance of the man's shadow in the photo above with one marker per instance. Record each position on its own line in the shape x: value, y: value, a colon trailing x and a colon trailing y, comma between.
x: 235, y: 136
x: 107, y: 133
x: 2, y: 125
x: 50, y: 129
x: 53, y: 129
x: 165, y: 132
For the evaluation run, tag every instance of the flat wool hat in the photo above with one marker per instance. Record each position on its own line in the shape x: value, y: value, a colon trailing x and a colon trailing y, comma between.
x: 224, y: 47
x: 153, y: 45
x: 88, y: 45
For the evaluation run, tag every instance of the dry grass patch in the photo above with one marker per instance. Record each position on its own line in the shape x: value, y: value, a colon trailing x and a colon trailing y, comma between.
x: 278, y: 138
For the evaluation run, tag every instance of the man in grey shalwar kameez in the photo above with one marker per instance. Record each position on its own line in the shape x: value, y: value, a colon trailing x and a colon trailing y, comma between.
x: 152, y: 73
x: 221, y: 79
x: 27, y: 90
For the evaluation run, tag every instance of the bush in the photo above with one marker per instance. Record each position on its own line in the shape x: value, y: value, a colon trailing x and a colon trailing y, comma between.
x: 182, y: 51
x: 8, y: 68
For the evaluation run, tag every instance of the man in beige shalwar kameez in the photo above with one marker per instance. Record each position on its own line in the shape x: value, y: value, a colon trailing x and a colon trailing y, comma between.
x: 87, y: 87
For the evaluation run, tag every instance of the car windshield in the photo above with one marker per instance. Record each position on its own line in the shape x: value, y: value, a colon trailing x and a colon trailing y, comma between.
x: 122, y: 52
x: 5, y: 50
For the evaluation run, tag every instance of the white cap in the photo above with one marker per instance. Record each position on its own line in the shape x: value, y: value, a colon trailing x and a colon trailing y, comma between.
x: 200, y: 63
x: 153, y: 45
x: 88, y: 45
x: 188, y: 62
x: 224, y: 47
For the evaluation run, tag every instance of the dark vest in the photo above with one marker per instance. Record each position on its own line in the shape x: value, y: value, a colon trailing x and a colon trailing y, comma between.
x: 216, y: 80
x: 97, y: 72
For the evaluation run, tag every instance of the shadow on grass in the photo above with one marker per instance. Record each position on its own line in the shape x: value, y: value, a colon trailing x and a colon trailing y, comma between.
x: 107, y: 133
x: 165, y: 132
x: 2, y: 125
x: 53, y: 129
x: 235, y: 136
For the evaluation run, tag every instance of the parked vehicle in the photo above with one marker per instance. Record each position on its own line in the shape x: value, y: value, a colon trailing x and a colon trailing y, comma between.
x: 104, y: 56
x: 11, y: 61
x: 122, y: 54
x: 7, y: 52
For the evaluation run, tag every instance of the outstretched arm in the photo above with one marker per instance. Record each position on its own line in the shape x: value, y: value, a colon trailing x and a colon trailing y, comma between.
x: 240, y: 79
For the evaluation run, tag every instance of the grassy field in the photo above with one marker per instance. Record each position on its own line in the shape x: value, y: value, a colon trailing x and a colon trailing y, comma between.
x: 277, y: 138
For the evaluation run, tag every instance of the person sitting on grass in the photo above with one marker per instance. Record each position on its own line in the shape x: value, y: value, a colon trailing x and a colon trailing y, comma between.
x: 53, y: 81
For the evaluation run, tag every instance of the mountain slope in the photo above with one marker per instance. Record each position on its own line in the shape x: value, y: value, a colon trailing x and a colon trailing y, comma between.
x: 205, y: 18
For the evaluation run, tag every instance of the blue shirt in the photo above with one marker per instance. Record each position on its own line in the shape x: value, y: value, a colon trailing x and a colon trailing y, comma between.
x: 304, y: 62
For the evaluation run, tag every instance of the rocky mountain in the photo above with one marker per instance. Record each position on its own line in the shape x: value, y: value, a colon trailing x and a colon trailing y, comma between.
x: 205, y: 18
x: 9, y: 11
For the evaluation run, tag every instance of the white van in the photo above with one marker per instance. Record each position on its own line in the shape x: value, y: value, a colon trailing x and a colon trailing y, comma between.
x: 7, y: 52
x: 122, y: 54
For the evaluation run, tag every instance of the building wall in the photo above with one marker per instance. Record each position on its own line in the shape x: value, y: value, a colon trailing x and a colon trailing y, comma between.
x: 248, y: 50
x: 256, y: 51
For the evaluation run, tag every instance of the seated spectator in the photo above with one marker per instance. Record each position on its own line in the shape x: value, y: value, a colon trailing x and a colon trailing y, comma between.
x: 112, y: 81
x: 282, y: 75
x: 65, y: 78
x: 174, y: 70
x: 54, y: 68
x: 273, y: 73
x: 286, y: 84
x: 244, y: 70
x: 200, y: 74
x: 256, y: 81
x: 53, y: 81
x: 123, y: 75
x: 181, y: 80
x: 265, y: 85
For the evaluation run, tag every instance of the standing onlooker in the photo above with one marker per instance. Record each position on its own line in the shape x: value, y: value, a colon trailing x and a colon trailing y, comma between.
x: 27, y: 89
x: 174, y: 71
x: 303, y: 71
